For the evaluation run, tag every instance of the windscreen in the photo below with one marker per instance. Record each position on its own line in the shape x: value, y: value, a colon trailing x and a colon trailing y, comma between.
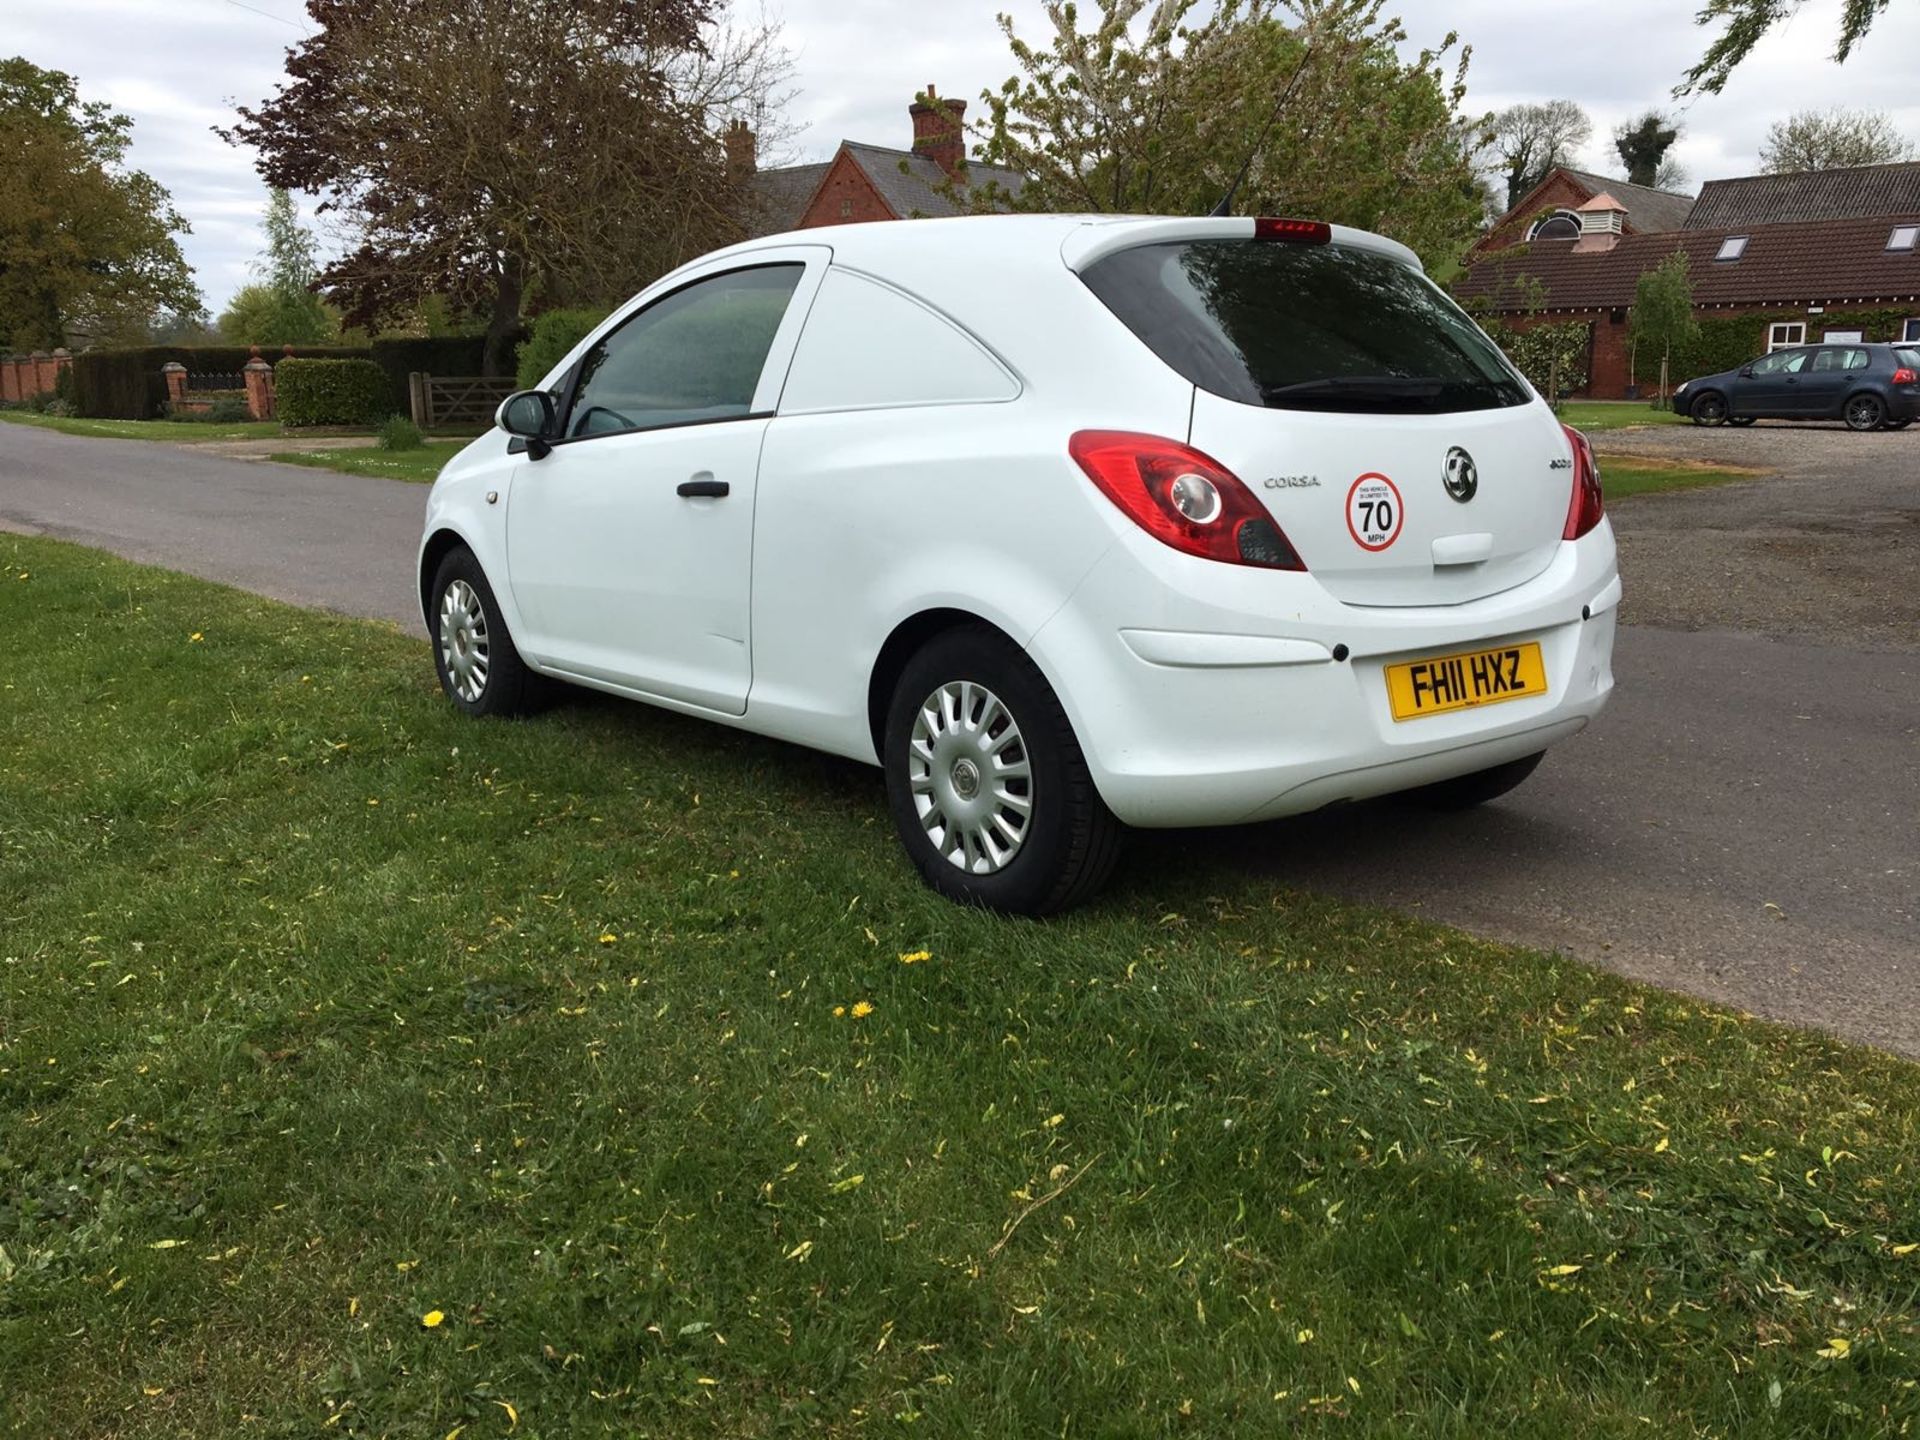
x: 1305, y: 327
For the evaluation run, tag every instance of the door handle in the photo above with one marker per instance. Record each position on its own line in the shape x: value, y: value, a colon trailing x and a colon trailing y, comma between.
x: 705, y: 489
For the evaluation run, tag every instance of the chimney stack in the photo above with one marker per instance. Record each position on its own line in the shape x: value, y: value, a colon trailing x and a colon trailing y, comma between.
x: 937, y: 132
x: 742, y: 147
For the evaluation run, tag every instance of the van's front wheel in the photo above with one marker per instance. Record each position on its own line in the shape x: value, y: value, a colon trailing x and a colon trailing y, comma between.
x: 986, y: 781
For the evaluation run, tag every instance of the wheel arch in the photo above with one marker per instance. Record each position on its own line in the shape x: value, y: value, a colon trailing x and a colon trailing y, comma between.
x: 906, y: 640
x: 434, y: 549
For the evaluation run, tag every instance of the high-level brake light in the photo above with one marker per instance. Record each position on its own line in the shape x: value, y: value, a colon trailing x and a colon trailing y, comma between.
x: 1300, y: 232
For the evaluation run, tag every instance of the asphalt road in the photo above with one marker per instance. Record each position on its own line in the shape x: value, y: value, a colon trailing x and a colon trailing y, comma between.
x: 1743, y: 823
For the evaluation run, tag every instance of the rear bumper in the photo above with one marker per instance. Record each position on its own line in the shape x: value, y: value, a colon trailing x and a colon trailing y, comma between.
x: 1206, y: 694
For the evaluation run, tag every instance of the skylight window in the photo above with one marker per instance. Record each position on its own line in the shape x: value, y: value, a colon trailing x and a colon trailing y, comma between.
x: 1903, y: 237
x: 1732, y: 248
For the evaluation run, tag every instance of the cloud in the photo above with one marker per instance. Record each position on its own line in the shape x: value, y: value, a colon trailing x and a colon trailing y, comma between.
x: 178, y: 69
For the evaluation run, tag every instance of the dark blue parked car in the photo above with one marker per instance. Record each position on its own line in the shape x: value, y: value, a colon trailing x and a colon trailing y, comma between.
x: 1868, y: 386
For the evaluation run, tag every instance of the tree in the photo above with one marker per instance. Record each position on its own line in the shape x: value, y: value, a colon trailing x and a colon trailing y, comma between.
x: 1529, y: 140
x: 1829, y: 139
x: 1146, y: 113
x: 88, y: 248
x: 1643, y: 144
x: 1663, y: 311
x: 283, y: 308
x: 491, y: 151
x: 1749, y: 20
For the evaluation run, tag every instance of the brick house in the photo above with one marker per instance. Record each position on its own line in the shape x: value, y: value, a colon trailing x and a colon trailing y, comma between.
x: 868, y: 182
x: 1774, y: 260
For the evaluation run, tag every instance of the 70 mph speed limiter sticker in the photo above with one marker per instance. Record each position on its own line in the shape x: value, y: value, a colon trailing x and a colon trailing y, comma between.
x: 1374, y: 512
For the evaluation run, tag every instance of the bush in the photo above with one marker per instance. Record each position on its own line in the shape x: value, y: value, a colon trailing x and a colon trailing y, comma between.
x: 399, y: 433
x: 331, y: 392
x: 57, y: 407
x: 228, y: 410
x: 554, y: 334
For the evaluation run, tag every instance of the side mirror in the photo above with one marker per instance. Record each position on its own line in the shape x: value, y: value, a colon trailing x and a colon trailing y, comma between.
x: 1746, y: 372
x: 528, y: 414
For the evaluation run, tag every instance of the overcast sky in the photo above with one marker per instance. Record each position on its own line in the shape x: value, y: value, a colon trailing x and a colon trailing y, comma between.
x: 178, y: 66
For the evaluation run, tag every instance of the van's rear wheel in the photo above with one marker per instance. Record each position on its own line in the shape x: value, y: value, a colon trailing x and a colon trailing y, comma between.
x: 1463, y: 792
x: 986, y: 781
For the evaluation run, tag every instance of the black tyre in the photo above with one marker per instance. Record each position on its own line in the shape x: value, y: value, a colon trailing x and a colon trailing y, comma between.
x: 987, y: 783
x: 473, y: 652
x: 1709, y: 409
x: 1741, y: 420
x: 1463, y: 792
x: 1865, y: 412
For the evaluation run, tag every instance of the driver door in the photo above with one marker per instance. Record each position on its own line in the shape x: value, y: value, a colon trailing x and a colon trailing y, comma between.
x: 1774, y: 386
x: 630, y: 543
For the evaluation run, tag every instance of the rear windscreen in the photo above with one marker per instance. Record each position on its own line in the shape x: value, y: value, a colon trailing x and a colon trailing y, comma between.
x: 1305, y: 327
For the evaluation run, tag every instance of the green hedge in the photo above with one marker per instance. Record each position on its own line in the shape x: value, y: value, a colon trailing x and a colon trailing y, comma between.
x: 127, y: 384
x: 1536, y: 351
x: 441, y: 355
x: 331, y: 392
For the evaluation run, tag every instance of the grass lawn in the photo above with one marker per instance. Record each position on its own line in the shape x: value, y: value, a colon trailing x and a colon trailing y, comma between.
x: 417, y: 465
x: 1622, y: 475
x: 365, y: 1071
x: 177, y: 431
x: 1592, y: 415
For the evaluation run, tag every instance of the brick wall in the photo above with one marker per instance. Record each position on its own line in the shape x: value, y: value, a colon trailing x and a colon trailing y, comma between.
x: 845, y: 197
x: 24, y: 376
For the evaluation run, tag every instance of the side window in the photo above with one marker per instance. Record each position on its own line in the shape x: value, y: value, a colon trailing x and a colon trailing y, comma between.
x: 1853, y: 360
x: 1771, y: 364
x: 690, y: 357
x: 1828, y: 360
x: 868, y: 346
x: 1795, y: 362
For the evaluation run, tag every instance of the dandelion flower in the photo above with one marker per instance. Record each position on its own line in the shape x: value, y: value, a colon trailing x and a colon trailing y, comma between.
x: 915, y: 957
x: 862, y: 1009
x: 432, y: 1319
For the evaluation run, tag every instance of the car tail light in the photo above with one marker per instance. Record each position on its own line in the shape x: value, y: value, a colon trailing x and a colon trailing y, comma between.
x: 1905, y: 376
x: 1586, y: 507
x: 1300, y: 232
x: 1183, y: 499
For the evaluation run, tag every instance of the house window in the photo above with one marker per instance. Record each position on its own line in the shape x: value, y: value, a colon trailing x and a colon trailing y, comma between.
x: 1732, y: 248
x: 1793, y: 332
x: 1561, y: 225
x: 1911, y: 330
x: 1903, y: 237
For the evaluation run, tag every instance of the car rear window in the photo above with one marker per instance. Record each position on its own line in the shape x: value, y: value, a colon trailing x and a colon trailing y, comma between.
x: 1305, y: 327
x: 1908, y: 358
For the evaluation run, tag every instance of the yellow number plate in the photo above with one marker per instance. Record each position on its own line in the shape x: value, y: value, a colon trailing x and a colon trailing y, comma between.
x: 1459, y: 682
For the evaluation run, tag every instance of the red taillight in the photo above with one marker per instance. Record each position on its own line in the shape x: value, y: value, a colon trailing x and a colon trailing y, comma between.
x: 1586, y: 507
x: 1300, y: 232
x: 1904, y: 376
x: 1183, y: 499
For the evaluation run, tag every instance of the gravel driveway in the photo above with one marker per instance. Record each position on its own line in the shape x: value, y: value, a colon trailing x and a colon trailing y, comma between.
x: 1828, y: 547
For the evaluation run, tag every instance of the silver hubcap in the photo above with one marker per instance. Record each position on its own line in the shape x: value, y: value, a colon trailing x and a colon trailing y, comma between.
x: 1864, y: 413
x: 971, y: 777
x: 463, y: 640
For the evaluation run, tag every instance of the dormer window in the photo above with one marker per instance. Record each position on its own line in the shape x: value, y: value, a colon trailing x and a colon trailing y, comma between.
x: 1904, y: 237
x: 1732, y: 248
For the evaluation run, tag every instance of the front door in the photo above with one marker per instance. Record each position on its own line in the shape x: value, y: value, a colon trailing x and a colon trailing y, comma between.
x: 630, y: 544
x: 1824, y: 386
